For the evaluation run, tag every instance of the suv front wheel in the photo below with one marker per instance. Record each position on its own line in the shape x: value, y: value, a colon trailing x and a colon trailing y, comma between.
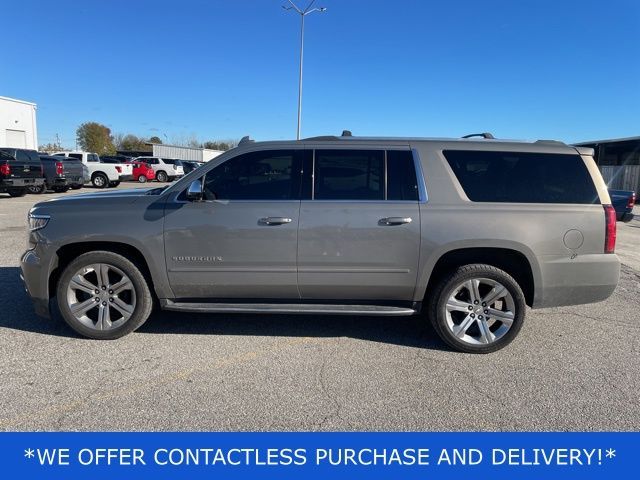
x: 103, y: 295
x: 477, y: 309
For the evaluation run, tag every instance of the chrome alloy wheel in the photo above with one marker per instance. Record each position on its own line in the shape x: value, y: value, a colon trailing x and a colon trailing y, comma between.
x: 480, y: 311
x: 101, y: 296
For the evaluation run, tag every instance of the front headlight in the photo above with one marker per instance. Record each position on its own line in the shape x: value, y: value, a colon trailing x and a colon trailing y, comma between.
x: 36, y: 222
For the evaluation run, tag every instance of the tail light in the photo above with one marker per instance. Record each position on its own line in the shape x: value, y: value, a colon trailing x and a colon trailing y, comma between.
x: 59, y: 168
x: 118, y: 169
x: 610, y: 229
x: 5, y: 169
x: 632, y: 200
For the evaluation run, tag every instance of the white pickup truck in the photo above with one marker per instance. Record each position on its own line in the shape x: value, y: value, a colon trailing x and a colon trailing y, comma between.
x: 102, y: 175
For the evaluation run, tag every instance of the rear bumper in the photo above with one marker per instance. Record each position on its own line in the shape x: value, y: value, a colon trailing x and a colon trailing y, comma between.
x: 65, y: 181
x: 21, y: 182
x: 584, y: 279
x: 625, y: 217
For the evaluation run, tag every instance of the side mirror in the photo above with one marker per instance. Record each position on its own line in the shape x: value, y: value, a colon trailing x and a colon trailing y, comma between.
x: 194, y: 192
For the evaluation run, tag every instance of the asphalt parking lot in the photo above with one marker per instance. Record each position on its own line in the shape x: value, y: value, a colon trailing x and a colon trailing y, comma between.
x: 573, y: 368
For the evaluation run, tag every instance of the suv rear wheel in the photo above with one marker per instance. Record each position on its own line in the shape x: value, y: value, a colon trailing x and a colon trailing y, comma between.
x: 162, y: 176
x: 477, y: 309
x: 103, y: 295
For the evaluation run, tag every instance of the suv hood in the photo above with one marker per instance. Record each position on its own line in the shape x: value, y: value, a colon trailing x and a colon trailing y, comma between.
x: 131, y: 193
x: 109, y: 203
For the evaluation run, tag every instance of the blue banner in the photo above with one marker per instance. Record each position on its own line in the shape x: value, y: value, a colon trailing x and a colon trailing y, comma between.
x: 320, y: 455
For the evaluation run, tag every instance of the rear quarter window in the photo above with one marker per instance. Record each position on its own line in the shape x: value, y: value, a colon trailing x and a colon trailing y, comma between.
x: 517, y: 177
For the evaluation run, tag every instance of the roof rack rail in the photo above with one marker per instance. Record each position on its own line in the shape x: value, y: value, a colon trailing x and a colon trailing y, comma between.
x: 245, y: 140
x: 552, y: 142
x: 321, y: 137
x: 485, y: 135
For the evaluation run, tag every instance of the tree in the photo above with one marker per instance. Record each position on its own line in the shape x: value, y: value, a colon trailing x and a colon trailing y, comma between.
x: 51, y: 147
x: 95, y: 137
x: 220, y: 144
x: 130, y: 142
x: 155, y: 140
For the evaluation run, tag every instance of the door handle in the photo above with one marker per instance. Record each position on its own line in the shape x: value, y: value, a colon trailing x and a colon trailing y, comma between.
x: 394, y: 220
x: 274, y: 220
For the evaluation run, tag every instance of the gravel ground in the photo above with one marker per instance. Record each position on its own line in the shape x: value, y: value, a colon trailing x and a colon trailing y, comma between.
x: 573, y: 368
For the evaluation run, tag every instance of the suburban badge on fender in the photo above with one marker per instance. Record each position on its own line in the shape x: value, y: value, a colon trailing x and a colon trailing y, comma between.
x: 196, y: 259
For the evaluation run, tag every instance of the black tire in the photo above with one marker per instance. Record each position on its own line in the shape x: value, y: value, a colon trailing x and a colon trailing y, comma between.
x: 162, y: 176
x: 37, y: 189
x: 144, y: 299
x: 436, y: 306
x: 142, y: 179
x: 60, y: 189
x: 17, y: 191
x: 114, y: 184
x: 99, y: 180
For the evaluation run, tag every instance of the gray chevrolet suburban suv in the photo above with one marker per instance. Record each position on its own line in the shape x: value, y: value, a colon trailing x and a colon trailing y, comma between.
x: 466, y: 231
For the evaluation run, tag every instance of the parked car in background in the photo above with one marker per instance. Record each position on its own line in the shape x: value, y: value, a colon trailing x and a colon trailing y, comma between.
x: 466, y: 232
x: 166, y: 170
x: 142, y: 172
x: 19, y: 170
x: 115, y: 158
x: 125, y: 169
x: 189, y: 166
x: 60, y: 174
x: 102, y: 175
x: 623, y: 201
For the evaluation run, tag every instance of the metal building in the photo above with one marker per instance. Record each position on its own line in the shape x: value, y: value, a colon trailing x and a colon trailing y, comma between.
x: 619, y: 161
x: 18, y: 124
x: 185, y: 153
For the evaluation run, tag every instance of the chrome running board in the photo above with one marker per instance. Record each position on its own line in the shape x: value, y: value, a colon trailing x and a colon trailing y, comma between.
x: 286, y: 308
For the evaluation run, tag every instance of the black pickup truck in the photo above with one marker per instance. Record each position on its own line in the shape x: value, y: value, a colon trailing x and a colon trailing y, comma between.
x: 19, y: 170
x: 60, y: 174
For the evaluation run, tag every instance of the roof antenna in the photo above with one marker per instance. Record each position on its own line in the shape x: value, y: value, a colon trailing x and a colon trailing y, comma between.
x: 346, y: 133
x: 244, y: 140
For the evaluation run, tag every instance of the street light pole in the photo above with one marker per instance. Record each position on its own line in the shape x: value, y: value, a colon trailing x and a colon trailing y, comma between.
x: 302, y: 13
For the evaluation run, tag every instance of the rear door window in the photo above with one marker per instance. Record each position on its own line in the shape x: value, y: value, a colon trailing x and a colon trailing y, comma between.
x: 349, y: 175
x: 402, y: 182
x: 518, y: 177
x: 76, y: 155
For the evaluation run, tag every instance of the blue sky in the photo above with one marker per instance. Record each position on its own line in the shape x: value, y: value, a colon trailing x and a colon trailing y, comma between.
x: 219, y: 69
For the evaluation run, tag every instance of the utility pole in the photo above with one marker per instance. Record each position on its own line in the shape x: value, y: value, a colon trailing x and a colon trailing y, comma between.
x: 302, y: 13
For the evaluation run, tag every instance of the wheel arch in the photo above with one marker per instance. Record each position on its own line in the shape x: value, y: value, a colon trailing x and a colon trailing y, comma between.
x: 69, y: 252
x: 517, y: 262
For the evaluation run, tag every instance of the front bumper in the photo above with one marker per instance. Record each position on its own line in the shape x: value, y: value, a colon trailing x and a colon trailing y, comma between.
x: 35, y: 275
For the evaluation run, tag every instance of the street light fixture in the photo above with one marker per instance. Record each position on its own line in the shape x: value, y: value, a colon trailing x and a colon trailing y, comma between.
x: 303, y: 13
